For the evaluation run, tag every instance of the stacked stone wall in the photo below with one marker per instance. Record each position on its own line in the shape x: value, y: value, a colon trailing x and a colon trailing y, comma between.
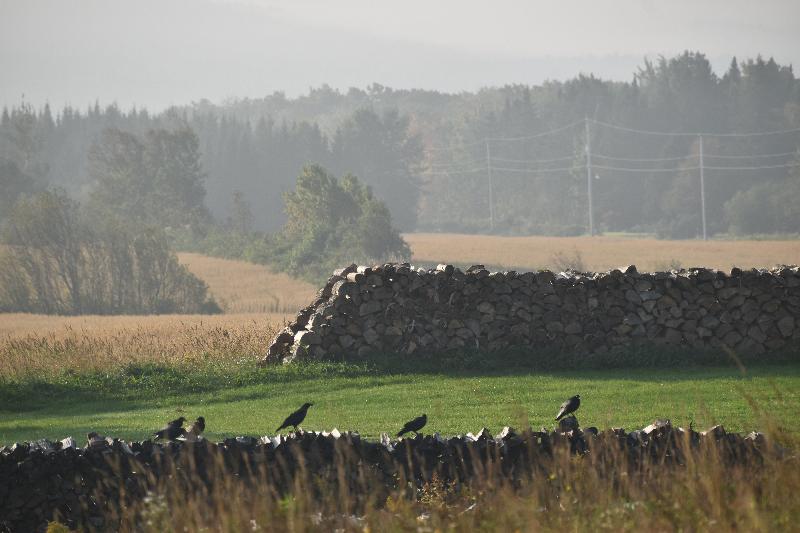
x: 87, y: 488
x: 397, y: 308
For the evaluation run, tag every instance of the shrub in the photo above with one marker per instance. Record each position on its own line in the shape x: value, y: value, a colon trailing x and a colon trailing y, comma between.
x: 58, y: 260
x: 765, y: 208
x: 332, y: 222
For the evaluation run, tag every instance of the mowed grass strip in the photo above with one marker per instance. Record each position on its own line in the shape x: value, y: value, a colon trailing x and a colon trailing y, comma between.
x: 243, y: 400
x: 600, y: 253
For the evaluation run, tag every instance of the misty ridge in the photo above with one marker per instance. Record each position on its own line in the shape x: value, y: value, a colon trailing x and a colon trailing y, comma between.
x: 422, y: 152
x: 309, y: 183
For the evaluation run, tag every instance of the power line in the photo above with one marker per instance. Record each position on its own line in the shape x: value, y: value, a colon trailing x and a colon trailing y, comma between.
x: 535, y: 135
x: 450, y: 149
x: 472, y: 165
x: 459, y: 170
x: 764, y: 167
x: 553, y: 160
x: 452, y: 171
x: 645, y: 159
x: 506, y: 139
x: 459, y: 163
x: 622, y: 169
x: 757, y: 156
x: 702, y: 190
x: 687, y: 134
x: 642, y: 170
x: 625, y: 129
x: 491, y: 185
x: 535, y: 170
x: 589, y: 195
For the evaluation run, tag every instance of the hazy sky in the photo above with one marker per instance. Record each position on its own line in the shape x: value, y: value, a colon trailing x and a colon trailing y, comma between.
x: 159, y: 52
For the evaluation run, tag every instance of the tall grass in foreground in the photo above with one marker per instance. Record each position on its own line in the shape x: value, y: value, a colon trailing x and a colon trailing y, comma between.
x: 601, y: 490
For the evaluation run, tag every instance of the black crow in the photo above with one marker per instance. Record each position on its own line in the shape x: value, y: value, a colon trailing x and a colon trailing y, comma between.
x: 569, y: 407
x: 94, y: 440
x: 295, y: 418
x: 177, y: 422
x: 172, y: 430
x: 414, y: 425
x: 197, y: 427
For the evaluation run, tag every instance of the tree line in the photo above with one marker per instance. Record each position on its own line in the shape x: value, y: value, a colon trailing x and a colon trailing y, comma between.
x: 60, y: 259
x: 422, y: 153
x: 113, y: 254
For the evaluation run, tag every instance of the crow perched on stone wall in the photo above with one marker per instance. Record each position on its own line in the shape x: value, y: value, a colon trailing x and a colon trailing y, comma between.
x: 172, y: 430
x: 95, y: 440
x: 569, y: 407
x: 414, y: 425
x: 296, y: 418
x: 197, y: 427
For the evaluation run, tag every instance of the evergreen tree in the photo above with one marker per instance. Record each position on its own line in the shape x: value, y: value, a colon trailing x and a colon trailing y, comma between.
x: 154, y: 180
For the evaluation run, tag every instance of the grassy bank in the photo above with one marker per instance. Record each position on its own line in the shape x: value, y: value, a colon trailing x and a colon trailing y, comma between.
x: 128, y: 377
x: 239, y: 399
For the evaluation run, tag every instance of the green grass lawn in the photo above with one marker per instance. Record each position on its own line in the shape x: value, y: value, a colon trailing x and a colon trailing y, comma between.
x: 247, y: 401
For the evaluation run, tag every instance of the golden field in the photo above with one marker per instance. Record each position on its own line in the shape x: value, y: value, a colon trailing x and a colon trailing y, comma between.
x: 42, y: 344
x: 257, y: 301
x: 241, y: 287
x: 600, y: 253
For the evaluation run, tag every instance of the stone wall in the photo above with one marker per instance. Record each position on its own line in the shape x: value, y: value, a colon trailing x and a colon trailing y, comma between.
x: 85, y: 487
x: 397, y: 308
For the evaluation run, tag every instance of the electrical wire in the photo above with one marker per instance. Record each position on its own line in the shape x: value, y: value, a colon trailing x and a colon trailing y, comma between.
x: 622, y: 169
x: 720, y: 156
x: 765, y: 167
x: 450, y: 149
x: 535, y: 135
x: 645, y: 159
x: 453, y: 171
x: 534, y: 170
x: 456, y: 170
x: 553, y: 160
x: 686, y: 134
x: 458, y: 163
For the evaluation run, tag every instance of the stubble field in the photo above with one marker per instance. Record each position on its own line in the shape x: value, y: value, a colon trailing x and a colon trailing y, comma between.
x: 600, y: 253
x: 241, y: 287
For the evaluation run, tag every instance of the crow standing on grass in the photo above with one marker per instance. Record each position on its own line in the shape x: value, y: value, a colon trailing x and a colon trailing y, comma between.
x: 569, y: 407
x: 414, y: 425
x: 295, y: 418
x: 172, y: 430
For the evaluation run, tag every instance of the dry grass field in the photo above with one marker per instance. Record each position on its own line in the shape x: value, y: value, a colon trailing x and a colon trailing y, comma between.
x: 241, y: 287
x: 41, y: 345
x: 599, y: 253
x: 257, y: 300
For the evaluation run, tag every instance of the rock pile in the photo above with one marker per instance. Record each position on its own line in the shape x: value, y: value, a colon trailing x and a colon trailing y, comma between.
x: 402, y: 309
x: 84, y: 487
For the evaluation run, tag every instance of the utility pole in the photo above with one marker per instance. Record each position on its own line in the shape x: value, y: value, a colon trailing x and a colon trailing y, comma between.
x: 702, y: 191
x: 589, y: 176
x: 491, y: 185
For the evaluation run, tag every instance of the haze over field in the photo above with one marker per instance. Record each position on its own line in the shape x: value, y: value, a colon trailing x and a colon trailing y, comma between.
x: 307, y: 135
x: 154, y: 54
x: 215, y: 211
